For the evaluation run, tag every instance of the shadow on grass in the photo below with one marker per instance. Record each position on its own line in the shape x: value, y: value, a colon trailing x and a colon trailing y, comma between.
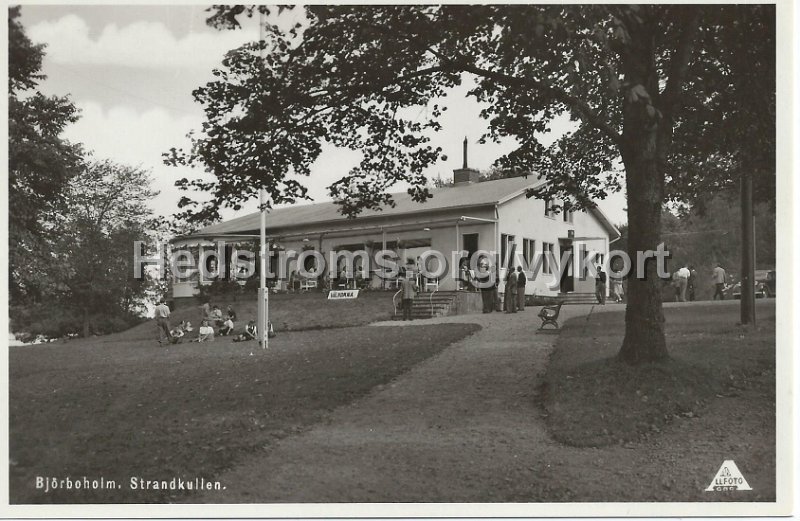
x: 606, y: 401
x: 131, y: 409
x: 593, y: 399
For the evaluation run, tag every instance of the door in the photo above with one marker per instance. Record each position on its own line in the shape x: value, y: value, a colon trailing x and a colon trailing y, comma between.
x: 470, y: 245
x: 567, y: 283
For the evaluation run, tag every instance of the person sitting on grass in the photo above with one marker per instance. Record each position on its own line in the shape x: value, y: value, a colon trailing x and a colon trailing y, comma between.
x: 216, y: 316
x: 186, y: 326
x: 206, y: 332
x: 250, y: 333
x: 227, y: 327
x: 177, y: 334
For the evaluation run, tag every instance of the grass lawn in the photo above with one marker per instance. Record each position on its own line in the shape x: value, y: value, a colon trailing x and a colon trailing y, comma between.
x: 288, y: 312
x: 119, y: 408
x: 716, y: 367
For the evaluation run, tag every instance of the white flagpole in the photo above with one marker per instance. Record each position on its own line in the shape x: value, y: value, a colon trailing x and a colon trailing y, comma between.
x: 263, y: 295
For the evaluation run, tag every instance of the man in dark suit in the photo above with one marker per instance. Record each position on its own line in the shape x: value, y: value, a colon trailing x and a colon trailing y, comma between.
x: 511, y: 291
x: 522, y: 279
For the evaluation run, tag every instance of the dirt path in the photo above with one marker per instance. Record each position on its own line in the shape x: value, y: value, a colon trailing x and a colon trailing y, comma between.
x: 464, y: 426
x: 458, y: 427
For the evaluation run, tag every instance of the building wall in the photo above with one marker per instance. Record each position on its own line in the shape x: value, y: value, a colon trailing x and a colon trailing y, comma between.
x: 522, y: 217
x: 438, y: 229
x: 525, y: 219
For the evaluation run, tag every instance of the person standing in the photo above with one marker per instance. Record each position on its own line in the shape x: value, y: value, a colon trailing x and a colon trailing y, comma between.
x: 418, y: 265
x: 718, y: 277
x: 522, y: 280
x: 600, y: 286
x: 486, y: 286
x: 409, y: 288
x: 682, y: 279
x: 162, y: 322
x: 616, y: 289
x: 511, y: 291
x: 691, y: 283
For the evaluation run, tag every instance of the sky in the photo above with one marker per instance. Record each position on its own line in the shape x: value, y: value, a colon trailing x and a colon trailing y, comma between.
x: 131, y: 71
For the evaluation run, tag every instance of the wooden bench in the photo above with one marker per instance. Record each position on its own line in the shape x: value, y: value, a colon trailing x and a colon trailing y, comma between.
x: 549, y: 315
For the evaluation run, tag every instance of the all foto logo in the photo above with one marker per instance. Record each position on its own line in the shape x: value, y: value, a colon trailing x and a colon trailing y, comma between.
x: 728, y: 478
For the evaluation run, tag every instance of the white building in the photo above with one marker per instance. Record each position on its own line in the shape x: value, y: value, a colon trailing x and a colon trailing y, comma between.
x: 493, y: 216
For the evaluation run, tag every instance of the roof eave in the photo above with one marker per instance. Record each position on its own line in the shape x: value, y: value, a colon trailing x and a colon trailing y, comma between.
x: 242, y: 232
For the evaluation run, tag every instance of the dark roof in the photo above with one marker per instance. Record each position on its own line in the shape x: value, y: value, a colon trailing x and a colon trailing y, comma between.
x: 467, y: 195
x: 487, y: 193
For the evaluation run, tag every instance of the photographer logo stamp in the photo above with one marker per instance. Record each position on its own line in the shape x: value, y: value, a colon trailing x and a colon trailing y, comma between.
x: 728, y: 478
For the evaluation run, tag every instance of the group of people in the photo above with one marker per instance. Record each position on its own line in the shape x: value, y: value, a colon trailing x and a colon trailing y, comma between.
x: 212, y: 323
x: 515, y: 291
x: 684, y: 280
x: 514, y: 297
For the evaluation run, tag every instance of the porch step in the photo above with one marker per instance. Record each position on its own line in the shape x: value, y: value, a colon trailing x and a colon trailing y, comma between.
x: 428, y: 305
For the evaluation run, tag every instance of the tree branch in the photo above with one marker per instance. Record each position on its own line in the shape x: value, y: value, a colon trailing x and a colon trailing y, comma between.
x: 585, y: 112
x: 678, y: 69
x: 679, y: 65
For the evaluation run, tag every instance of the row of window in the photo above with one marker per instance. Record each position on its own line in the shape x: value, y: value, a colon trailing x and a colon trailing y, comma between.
x: 508, y: 251
x: 508, y: 247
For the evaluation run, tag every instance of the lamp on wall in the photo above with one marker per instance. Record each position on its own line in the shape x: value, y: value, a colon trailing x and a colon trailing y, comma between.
x: 571, y: 234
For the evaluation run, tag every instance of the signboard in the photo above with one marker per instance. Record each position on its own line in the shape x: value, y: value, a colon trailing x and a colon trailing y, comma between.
x: 343, y: 294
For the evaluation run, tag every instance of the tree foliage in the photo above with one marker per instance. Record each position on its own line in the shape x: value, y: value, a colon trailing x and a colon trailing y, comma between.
x: 91, y: 274
x: 649, y: 88
x: 40, y: 162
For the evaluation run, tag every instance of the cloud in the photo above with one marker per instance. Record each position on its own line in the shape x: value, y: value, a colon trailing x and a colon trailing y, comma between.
x: 137, y: 139
x: 147, y: 45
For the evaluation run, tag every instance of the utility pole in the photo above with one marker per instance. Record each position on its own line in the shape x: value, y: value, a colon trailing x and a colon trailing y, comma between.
x: 748, y: 302
x: 263, y: 294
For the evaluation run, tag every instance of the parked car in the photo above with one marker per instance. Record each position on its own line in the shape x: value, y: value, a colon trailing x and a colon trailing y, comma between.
x: 764, y: 285
x: 768, y: 281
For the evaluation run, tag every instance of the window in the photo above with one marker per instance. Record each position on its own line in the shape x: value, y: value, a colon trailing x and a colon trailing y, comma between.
x: 548, y: 208
x: 528, y: 250
x: 595, y: 259
x: 547, y: 255
x: 506, y: 250
x: 566, y: 213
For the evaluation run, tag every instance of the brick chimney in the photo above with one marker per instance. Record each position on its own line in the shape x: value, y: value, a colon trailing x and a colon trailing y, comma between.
x: 465, y: 174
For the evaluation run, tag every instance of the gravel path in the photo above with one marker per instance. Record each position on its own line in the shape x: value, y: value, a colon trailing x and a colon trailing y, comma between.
x: 464, y: 426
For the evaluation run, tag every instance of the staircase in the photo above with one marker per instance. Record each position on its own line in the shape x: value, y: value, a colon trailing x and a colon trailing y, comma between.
x: 428, y: 305
x: 577, y: 298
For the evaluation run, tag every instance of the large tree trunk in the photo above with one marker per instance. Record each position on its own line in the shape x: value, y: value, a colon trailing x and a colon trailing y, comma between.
x: 642, y: 149
x: 644, y: 320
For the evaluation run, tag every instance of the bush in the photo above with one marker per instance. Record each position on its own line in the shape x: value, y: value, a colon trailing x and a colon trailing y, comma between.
x: 54, y: 321
x: 219, y: 288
